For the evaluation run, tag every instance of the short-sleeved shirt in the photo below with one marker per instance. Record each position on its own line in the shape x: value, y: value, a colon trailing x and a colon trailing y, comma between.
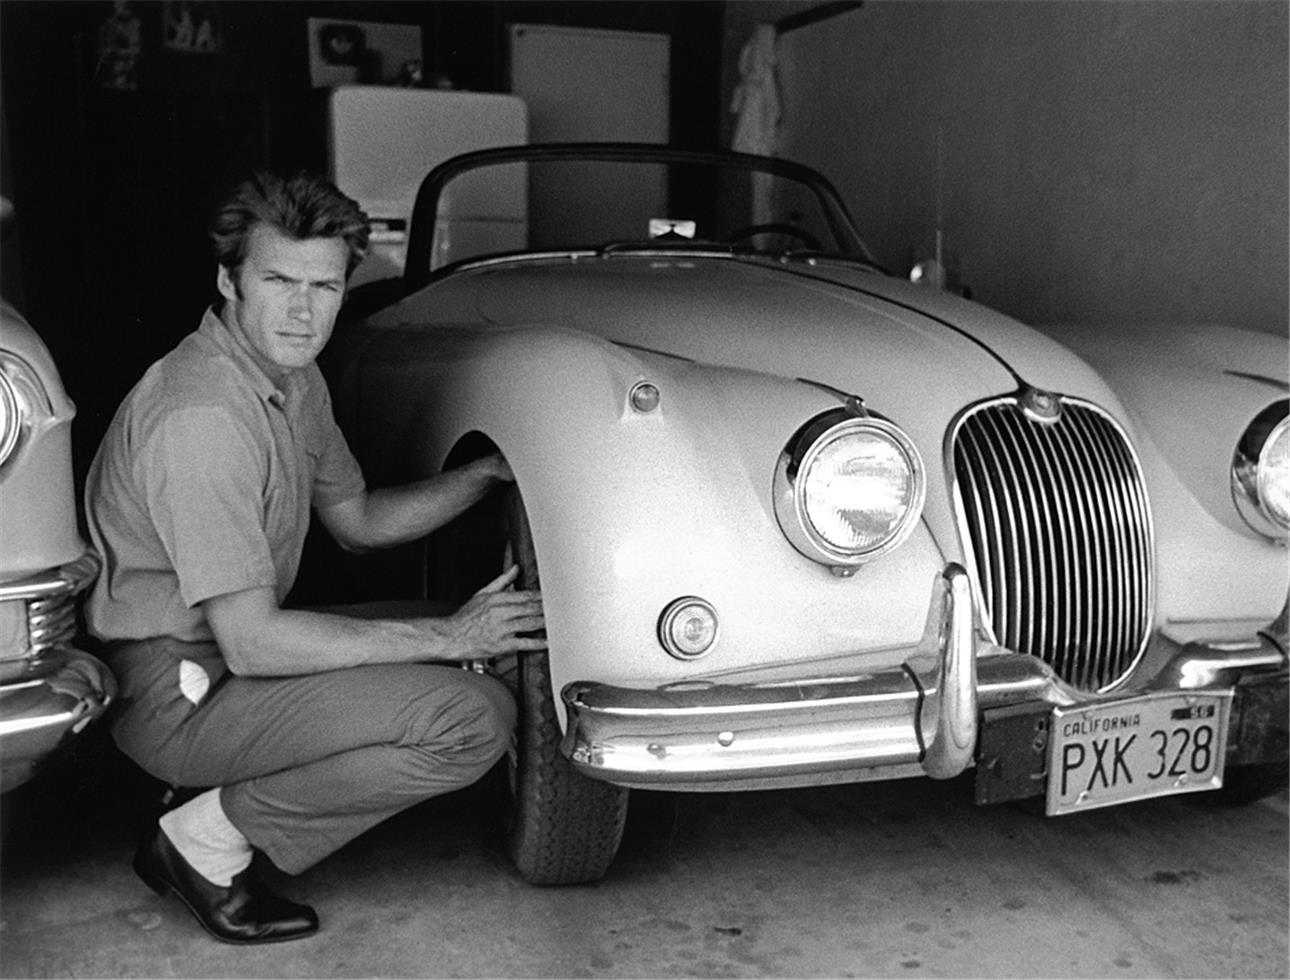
x: 203, y: 486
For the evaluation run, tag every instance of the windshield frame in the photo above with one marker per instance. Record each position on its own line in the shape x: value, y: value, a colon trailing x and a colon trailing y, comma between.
x: 417, y: 272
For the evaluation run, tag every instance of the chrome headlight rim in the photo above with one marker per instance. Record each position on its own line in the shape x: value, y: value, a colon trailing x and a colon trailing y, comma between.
x: 24, y: 404
x: 11, y: 421
x: 1252, y: 472
x: 790, y: 490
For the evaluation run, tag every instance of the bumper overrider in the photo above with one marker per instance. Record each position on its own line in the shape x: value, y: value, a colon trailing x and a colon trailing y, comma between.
x: 49, y: 689
x: 956, y: 701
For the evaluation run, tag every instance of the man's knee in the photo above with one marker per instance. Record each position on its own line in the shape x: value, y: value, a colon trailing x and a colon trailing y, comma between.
x: 502, y: 701
x: 468, y: 714
x: 493, y: 716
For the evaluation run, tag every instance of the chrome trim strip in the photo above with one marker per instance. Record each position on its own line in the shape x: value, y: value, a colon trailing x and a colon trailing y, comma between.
x: 512, y: 258
x: 77, y: 689
x: 952, y: 705
x: 67, y: 579
x: 14, y: 726
x: 1035, y: 529
x: 1093, y: 560
x: 1081, y: 587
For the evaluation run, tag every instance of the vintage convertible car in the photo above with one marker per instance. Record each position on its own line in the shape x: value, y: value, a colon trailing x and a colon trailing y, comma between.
x: 798, y: 521
x: 49, y: 689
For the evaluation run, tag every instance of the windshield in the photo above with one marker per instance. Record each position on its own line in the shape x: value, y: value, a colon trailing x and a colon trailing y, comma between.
x: 536, y: 204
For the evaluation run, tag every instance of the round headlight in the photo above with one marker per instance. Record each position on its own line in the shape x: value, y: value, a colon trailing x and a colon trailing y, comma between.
x: 1261, y: 472
x: 848, y: 489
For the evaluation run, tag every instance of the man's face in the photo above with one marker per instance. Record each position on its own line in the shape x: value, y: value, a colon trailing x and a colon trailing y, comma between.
x: 285, y: 299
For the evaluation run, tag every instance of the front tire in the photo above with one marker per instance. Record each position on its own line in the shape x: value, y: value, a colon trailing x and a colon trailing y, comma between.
x: 564, y: 827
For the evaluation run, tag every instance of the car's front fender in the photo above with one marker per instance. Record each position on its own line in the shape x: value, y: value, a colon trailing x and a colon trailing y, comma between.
x: 630, y: 509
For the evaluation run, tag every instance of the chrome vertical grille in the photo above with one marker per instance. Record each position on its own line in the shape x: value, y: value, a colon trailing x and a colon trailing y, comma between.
x: 1054, y: 520
x: 51, y: 621
x: 50, y: 600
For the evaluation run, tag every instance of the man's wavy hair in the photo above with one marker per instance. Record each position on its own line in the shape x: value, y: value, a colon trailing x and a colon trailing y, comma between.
x: 300, y: 207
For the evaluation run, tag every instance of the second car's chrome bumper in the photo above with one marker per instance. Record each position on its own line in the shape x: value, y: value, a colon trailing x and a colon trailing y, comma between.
x: 919, y: 718
x: 49, y: 689
x: 62, y: 690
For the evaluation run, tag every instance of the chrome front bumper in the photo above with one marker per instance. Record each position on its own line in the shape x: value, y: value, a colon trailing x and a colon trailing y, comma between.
x: 921, y: 718
x: 62, y: 691
x: 49, y: 689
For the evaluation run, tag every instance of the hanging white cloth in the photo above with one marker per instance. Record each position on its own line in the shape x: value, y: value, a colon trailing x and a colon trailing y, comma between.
x: 756, y: 103
x: 756, y: 97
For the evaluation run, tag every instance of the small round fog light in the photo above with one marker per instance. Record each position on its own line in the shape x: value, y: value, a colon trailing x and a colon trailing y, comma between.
x: 688, y: 627
x: 645, y: 397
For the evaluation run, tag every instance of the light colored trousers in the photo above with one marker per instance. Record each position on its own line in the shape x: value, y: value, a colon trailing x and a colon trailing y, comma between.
x: 305, y: 764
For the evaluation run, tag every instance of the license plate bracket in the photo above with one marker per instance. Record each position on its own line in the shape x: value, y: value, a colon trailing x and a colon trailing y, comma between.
x: 1136, y: 748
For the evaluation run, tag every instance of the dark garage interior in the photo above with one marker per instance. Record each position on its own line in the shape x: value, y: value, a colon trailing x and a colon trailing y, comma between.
x: 1073, y: 164
x: 1156, y: 128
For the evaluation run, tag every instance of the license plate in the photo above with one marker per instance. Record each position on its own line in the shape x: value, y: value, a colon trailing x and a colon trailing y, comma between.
x: 1137, y: 748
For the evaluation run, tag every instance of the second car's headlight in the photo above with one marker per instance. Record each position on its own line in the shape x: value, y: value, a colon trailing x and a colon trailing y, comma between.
x: 10, y: 420
x: 1261, y: 472
x: 848, y: 489
x: 23, y: 402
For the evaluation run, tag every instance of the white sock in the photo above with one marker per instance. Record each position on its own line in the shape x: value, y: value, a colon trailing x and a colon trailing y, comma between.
x: 207, y: 839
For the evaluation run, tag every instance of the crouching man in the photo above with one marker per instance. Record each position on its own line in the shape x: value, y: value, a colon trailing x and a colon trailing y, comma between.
x: 311, y: 727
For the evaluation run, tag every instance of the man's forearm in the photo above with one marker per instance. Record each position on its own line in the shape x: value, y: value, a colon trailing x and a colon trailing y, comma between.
x: 395, y: 515
x: 291, y: 642
x: 258, y: 639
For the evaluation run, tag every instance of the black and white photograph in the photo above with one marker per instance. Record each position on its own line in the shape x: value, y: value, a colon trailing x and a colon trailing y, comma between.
x: 645, y: 489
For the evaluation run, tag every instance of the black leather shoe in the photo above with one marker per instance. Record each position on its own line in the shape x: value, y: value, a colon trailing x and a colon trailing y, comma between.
x: 244, y: 912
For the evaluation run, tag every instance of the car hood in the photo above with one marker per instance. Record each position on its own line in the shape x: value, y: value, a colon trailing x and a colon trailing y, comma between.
x: 900, y: 347
x: 915, y: 355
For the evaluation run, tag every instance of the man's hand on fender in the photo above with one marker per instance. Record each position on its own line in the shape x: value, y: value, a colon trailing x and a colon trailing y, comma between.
x: 490, y: 622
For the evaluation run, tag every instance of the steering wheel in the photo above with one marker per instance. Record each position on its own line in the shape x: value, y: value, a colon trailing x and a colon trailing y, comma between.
x: 775, y: 228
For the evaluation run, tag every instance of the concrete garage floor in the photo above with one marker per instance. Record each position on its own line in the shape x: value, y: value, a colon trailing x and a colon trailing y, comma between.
x: 881, y: 880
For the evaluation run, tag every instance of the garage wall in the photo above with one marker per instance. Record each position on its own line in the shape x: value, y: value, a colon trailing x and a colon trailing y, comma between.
x: 1104, y: 162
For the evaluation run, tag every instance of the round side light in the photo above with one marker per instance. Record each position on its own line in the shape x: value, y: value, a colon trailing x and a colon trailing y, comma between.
x: 645, y: 397
x: 687, y: 627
